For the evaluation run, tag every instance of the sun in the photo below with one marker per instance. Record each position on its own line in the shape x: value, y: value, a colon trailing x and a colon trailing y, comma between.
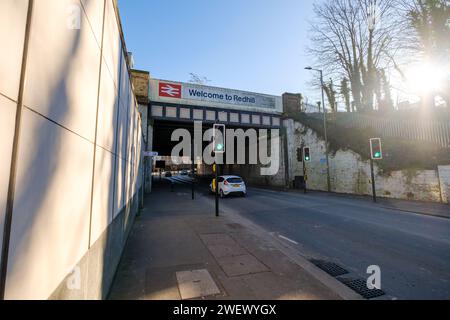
x: 425, y: 78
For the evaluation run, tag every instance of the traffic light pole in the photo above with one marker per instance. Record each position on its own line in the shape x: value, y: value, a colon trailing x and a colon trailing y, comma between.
x: 219, y: 133
x: 217, y: 189
x: 192, y: 169
x: 305, y: 177
x: 374, y: 194
x: 376, y: 153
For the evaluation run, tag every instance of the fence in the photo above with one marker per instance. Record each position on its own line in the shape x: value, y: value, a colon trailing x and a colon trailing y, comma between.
x: 434, y: 131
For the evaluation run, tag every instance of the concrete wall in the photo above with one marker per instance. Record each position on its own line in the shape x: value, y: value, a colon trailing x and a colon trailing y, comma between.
x: 350, y: 174
x: 252, y: 173
x: 444, y: 180
x: 79, y: 142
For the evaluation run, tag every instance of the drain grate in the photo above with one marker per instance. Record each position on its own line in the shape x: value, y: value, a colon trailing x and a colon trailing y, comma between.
x: 331, y: 268
x: 360, y: 286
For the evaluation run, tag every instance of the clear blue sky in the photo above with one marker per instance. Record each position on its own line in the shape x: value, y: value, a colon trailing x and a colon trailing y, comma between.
x: 250, y: 45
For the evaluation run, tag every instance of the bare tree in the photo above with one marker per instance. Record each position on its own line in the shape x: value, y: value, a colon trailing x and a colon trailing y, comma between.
x: 354, y: 39
x: 195, y: 78
x: 345, y: 92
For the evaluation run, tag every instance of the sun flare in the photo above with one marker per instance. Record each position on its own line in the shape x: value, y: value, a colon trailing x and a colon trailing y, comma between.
x: 425, y: 78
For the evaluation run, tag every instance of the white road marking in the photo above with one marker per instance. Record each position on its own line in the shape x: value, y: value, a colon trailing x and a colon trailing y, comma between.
x: 287, y: 239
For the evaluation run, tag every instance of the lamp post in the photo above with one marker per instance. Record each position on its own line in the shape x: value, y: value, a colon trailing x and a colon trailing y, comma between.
x: 324, y: 125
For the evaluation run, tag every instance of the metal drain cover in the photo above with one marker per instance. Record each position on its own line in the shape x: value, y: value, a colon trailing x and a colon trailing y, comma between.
x: 196, y: 284
x: 331, y: 268
x: 360, y: 286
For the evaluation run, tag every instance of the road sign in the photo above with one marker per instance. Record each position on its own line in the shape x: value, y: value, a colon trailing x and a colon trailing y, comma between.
x: 376, y: 153
x: 150, y: 154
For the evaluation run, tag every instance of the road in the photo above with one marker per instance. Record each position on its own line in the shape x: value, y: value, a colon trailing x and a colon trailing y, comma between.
x: 412, y: 250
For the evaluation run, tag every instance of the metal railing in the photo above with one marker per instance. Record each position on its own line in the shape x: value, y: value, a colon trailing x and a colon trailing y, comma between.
x: 434, y: 131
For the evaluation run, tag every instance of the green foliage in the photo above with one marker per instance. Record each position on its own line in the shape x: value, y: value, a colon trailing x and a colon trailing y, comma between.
x: 398, y: 153
x: 430, y: 20
x: 385, y: 101
x: 331, y: 94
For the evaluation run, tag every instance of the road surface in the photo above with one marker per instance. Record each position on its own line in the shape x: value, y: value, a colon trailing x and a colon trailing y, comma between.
x: 412, y: 250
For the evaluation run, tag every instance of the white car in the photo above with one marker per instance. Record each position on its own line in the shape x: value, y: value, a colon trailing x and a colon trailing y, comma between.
x: 230, y: 185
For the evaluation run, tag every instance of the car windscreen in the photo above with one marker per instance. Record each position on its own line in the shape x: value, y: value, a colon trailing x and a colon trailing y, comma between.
x: 234, y: 180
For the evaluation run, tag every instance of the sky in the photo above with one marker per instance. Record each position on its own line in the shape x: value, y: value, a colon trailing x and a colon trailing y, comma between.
x: 250, y: 45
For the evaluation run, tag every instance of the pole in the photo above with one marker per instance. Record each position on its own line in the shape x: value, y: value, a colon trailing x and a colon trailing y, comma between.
x: 374, y: 194
x: 192, y: 170
x: 217, y: 190
x: 325, y: 132
x: 305, y: 178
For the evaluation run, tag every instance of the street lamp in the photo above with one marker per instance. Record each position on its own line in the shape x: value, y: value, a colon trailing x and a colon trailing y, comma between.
x: 324, y: 125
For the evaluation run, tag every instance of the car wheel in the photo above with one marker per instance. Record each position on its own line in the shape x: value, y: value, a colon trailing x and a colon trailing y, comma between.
x: 244, y: 194
x: 222, y: 195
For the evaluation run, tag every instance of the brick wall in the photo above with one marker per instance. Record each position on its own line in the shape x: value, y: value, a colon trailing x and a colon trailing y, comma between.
x: 140, y: 81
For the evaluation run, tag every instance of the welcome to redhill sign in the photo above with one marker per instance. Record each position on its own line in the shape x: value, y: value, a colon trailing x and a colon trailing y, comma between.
x: 188, y: 91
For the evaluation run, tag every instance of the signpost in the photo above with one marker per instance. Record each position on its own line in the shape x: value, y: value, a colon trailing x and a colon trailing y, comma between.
x: 376, y: 153
x: 150, y: 154
x: 192, y: 168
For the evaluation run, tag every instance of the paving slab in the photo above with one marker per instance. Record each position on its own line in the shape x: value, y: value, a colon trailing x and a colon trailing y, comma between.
x: 222, y: 251
x: 178, y: 249
x: 196, y: 284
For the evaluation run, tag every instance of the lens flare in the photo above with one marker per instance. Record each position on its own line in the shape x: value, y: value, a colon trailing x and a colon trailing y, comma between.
x: 425, y: 78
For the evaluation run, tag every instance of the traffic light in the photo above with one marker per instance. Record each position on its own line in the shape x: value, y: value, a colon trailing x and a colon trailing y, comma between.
x: 219, y: 138
x: 376, y: 153
x: 306, y: 154
x: 299, y: 155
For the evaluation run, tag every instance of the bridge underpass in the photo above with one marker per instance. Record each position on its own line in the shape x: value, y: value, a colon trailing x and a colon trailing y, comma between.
x: 163, y: 144
x: 175, y: 105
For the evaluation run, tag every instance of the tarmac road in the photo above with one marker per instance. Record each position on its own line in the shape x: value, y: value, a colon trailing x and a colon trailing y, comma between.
x: 412, y: 250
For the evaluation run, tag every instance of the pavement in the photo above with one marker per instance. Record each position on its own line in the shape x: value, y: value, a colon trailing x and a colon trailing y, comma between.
x: 414, y: 206
x: 283, y: 232
x: 420, y: 207
x: 178, y: 249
